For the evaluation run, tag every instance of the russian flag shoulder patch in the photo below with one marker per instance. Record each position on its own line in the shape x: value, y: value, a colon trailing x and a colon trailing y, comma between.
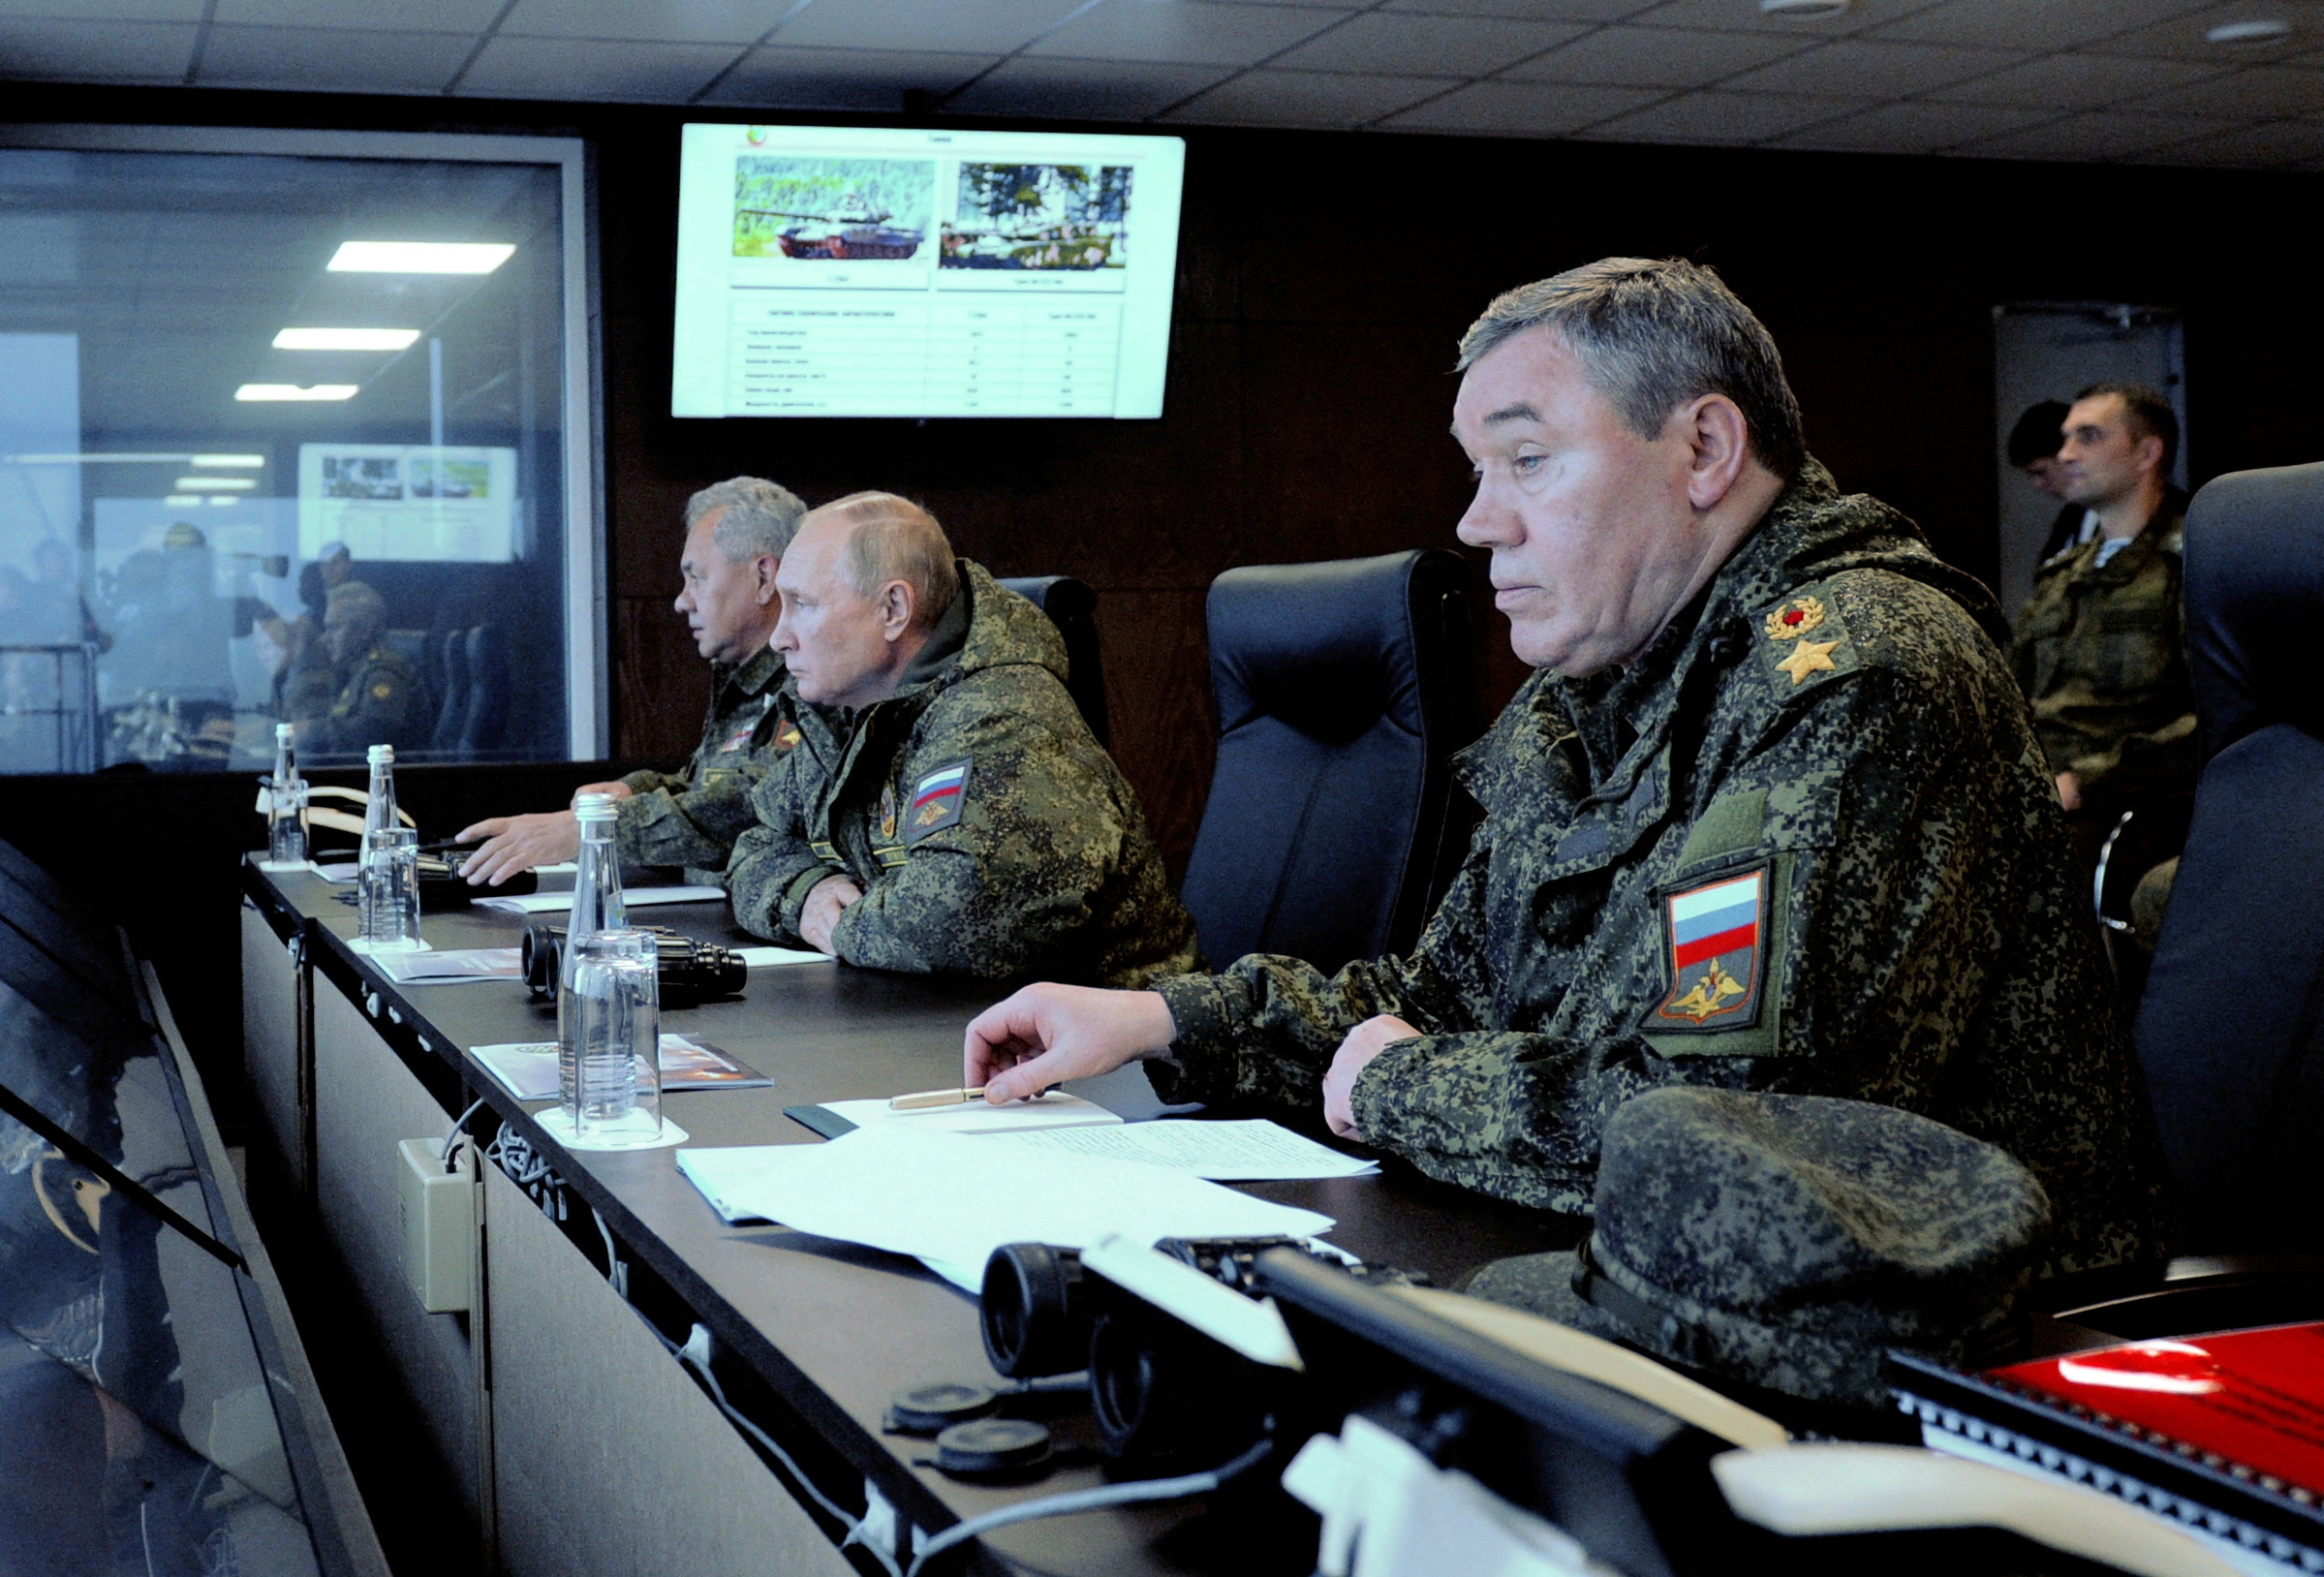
x: 935, y: 801
x: 1715, y: 936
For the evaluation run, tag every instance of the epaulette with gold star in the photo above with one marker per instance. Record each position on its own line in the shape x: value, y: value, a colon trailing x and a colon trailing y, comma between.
x: 1803, y: 640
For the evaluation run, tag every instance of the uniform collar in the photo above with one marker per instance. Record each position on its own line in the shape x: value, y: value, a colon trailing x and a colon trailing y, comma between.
x: 2169, y: 516
x: 762, y: 670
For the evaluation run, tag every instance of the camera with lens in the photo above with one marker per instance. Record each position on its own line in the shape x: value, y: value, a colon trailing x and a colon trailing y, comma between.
x: 1164, y: 1393
x: 690, y: 971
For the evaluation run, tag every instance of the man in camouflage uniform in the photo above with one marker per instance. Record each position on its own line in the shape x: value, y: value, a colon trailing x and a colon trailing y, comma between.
x: 948, y: 809
x: 1769, y: 816
x: 736, y: 532
x: 2102, y: 647
x: 380, y: 689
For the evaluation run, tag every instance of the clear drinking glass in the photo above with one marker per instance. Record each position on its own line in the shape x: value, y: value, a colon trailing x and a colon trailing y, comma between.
x: 609, y: 1038
x: 388, y: 886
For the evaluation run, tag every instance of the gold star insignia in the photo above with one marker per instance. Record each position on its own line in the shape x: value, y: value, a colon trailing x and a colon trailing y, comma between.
x: 1807, y: 658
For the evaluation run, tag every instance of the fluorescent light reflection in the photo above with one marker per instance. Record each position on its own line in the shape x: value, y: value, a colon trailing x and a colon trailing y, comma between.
x: 297, y: 392
x: 345, y: 339
x: 183, y: 501
x: 420, y: 256
x: 224, y: 460
x: 213, y: 485
x: 227, y: 462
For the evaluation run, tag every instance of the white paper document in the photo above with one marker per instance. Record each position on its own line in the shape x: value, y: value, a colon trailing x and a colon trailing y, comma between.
x: 451, y: 965
x: 529, y: 1067
x: 1254, y: 1151
x: 1054, y: 1110
x: 950, y: 1200
x: 759, y: 958
x: 556, y: 903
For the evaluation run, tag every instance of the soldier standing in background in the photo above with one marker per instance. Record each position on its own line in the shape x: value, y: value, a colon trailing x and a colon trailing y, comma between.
x: 1770, y: 815
x: 2101, y: 646
x: 736, y: 533
x: 948, y: 809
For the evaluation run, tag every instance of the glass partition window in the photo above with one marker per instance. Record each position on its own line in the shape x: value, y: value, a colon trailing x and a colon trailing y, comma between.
x: 289, y: 438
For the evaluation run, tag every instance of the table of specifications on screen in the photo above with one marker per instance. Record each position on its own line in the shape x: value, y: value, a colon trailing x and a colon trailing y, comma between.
x: 886, y: 353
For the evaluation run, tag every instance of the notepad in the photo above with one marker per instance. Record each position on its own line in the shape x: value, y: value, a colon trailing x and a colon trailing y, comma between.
x: 1251, y: 1150
x: 450, y: 966
x: 529, y: 1067
x: 948, y: 1200
x: 557, y: 903
x: 1054, y: 1110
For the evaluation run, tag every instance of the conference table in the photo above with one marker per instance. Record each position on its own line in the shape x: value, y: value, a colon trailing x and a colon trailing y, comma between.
x: 577, y: 1442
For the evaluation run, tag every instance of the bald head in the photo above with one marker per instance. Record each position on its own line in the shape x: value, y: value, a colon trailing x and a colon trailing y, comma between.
x: 865, y: 581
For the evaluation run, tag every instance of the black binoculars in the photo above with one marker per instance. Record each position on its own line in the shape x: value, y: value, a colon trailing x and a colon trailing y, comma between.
x: 688, y: 971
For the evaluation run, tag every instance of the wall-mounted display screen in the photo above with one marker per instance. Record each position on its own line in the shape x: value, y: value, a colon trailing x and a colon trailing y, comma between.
x: 830, y: 271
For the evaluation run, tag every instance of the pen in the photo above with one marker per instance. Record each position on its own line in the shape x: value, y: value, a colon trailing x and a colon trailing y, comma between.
x: 933, y: 1098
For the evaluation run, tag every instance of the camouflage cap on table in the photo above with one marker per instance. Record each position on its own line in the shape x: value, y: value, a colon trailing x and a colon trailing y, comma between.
x: 1788, y: 1240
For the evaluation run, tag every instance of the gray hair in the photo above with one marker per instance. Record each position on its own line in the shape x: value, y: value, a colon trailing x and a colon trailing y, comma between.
x: 762, y: 517
x: 894, y: 539
x: 1651, y: 334
x: 354, y: 604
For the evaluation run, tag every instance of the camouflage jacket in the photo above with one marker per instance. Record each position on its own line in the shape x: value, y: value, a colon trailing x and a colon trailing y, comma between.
x: 379, y: 704
x: 1804, y: 844
x: 2101, y: 652
x: 692, y: 817
x: 992, y: 836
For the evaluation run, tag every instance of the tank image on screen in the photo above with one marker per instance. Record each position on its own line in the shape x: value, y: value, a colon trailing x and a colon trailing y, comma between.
x: 832, y: 210
x: 1040, y: 216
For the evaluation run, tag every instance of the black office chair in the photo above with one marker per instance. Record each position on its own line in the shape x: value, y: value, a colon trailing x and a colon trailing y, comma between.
x: 1333, y: 825
x: 2230, y: 1033
x: 487, y: 693
x: 1073, y: 607
x: 452, y: 714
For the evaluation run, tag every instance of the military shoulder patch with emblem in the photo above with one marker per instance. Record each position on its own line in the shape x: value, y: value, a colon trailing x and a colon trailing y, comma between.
x: 1804, y: 637
x: 1714, y: 935
x: 935, y: 801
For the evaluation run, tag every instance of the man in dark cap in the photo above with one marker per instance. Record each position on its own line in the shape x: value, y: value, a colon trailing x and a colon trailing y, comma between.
x: 1770, y: 815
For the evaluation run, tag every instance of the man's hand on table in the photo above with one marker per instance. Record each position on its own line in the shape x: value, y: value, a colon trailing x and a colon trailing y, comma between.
x: 1048, y: 1033
x: 615, y: 790
x: 514, y: 844
x: 822, y: 912
x: 1364, y: 1043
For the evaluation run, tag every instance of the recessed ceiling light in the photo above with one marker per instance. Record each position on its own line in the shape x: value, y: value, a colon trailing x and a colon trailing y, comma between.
x: 345, y: 339
x: 2257, y: 31
x: 420, y: 256
x: 1804, y: 10
x: 183, y: 501
x: 229, y: 462
x: 295, y: 392
x: 213, y: 485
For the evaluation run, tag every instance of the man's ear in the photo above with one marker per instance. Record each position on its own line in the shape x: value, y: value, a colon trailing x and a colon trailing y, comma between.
x: 895, y: 610
x: 763, y: 570
x: 2150, y: 454
x: 1720, y: 441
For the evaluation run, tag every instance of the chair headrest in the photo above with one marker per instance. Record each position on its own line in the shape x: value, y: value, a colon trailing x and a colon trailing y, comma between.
x: 1327, y: 648
x: 2254, y: 599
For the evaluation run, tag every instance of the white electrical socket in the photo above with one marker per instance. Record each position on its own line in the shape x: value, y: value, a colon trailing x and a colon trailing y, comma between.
x: 881, y: 1528
x: 438, y: 1210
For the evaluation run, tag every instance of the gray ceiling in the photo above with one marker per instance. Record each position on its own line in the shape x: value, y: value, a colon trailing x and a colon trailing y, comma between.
x: 2078, y: 80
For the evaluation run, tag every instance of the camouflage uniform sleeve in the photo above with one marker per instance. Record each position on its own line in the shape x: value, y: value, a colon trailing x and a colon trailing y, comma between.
x: 370, y: 711
x: 1005, y: 890
x: 773, y: 869
x: 1879, y: 832
x: 697, y: 825
x: 645, y: 782
x: 1266, y: 1027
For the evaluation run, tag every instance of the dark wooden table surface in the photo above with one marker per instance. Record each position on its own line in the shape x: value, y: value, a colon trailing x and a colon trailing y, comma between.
x: 834, y: 1330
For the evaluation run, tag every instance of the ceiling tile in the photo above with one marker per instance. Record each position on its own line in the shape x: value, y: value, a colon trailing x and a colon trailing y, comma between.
x: 1428, y: 45
x: 1913, y: 128
x: 102, y: 10
x: 1858, y: 68
x: 2285, y: 143
x: 2031, y: 25
x: 1304, y: 98
x: 417, y: 16
x: 1724, y: 118
x: 2072, y: 81
x: 1532, y: 11
x: 45, y: 48
x: 952, y: 26
x: 332, y: 59
x: 841, y: 79
x: 2264, y: 90
x: 1520, y: 108
x: 1095, y: 89
x: 663, y: 21
x: 1657, y: 58
x: 2099, y: 137
x: 1186, y: 32
x: 594, y: 68
x: 2182, y: 36
x: 1746, y: 17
